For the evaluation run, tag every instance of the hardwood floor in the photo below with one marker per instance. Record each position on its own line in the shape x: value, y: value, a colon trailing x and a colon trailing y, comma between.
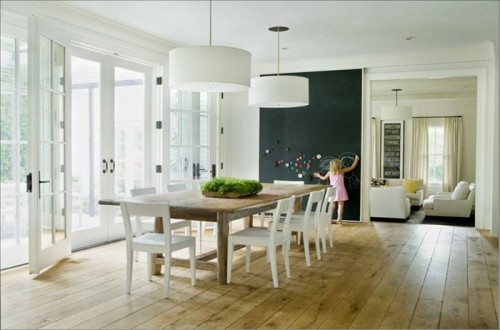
x: 379, y: 275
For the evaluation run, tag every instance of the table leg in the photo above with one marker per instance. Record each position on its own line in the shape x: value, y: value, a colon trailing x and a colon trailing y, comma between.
x: 158, y: 228
x: 222, y: 233
x: 248, y: 221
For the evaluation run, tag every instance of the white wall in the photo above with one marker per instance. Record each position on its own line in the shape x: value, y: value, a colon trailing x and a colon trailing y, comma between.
x: 441, y: 107
x: 476, y: 61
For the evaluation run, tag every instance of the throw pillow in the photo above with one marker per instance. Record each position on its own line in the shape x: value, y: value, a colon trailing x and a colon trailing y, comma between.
x: 375, y: 182
x: 411, y: 185
x: 461, y: 190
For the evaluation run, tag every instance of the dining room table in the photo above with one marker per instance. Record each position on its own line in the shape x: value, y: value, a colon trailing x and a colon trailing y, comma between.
x: 193, y: 205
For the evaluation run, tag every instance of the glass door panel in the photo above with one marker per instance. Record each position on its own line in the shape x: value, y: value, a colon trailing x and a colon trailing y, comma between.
x: 128, y: 165
x: 49, y: 240
x: 189, y: 137
x: 86, y: 156
x: 13, y: 152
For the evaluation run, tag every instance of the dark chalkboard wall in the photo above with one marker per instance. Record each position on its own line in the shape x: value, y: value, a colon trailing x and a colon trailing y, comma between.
x: 330, y: 126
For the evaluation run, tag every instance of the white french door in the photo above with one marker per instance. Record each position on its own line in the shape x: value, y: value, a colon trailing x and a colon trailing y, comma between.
x: 49, y: 235
x: 112, y: 141
x: 194, y: 134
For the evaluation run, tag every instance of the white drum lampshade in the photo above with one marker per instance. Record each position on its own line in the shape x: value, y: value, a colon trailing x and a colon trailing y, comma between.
x: 209, y: 69
x: 396, y: 112
x: 279, y: 92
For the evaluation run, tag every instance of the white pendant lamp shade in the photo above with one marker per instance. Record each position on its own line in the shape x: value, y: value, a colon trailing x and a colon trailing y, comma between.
x: 396, y: 112
x: 279, y: 92
x: 209, y: 69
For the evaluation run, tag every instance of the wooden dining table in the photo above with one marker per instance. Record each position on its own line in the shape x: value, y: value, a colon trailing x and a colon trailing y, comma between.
x: 192, y: 205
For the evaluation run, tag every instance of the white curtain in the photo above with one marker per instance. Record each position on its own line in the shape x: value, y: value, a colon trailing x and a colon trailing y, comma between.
x: 452, y: 152
x: 375, y: 150
x: 420, y: 150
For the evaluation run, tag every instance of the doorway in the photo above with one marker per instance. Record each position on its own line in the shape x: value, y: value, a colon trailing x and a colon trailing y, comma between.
x: 111, y: 114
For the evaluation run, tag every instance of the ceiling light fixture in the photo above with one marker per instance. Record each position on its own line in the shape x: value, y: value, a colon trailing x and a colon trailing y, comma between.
x: 209, y: 68
x: 279, y: 91
x: 396, y: 112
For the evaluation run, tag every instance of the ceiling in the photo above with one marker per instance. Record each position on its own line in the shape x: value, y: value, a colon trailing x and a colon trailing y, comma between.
x: 318, y: 29
x: 425, y: 89
x: 321, y: 29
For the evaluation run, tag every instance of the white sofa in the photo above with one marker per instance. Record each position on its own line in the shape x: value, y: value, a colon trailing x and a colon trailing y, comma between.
x: 416, y: 198
x: 389, y: 202
x: 458, y: 203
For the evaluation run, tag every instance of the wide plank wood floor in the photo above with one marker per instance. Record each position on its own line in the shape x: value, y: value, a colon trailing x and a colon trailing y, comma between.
x: 378, y: 275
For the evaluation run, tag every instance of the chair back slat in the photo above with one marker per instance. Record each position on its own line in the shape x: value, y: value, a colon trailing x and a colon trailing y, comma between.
x: 327, y: 206
x: 285, y: 206
x: 145, y: 210
x: 288, y: 182
x: 143, y: 191
x: 177, y: 187
x: 315, y: 197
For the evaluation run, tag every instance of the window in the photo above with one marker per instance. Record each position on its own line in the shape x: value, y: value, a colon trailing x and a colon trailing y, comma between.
x: 436, y: 155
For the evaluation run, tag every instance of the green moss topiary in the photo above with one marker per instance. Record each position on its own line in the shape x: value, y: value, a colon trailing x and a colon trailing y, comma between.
x: 225, y: 186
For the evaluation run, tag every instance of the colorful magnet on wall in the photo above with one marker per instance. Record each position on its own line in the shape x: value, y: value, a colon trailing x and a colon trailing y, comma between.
x: 300, y: 176
x: 287, y: 165
x: 318, y: 156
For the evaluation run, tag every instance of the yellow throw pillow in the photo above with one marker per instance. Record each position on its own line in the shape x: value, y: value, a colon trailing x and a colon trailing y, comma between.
x: 411, y: 186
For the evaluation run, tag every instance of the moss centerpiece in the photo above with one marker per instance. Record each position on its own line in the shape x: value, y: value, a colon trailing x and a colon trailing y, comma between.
x: 230, y: 188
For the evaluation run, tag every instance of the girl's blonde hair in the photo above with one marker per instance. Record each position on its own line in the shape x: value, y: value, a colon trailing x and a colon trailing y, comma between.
x: 335, y: 166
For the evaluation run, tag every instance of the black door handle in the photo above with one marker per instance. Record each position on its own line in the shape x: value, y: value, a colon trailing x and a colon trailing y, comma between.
x: 29, y: 183
x: 105, y: 166
x: 112, y: 162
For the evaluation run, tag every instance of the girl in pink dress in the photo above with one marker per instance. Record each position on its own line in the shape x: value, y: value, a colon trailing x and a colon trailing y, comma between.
x: 336, y: 176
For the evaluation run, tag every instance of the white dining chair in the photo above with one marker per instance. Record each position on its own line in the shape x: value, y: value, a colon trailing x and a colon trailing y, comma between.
x: 174, y: 223
x: 200, y: 225
x: 270, y: 238
x: 155, y: 243
x: 325, y: 219
x: 262, y: 217
x: 307, y: 222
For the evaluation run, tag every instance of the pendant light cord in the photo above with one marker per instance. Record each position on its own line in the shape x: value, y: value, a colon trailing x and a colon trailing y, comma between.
x: 210, y: 24
x: 278, y: 51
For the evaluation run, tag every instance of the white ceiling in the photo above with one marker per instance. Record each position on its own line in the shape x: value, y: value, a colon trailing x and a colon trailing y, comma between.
x: 318, y: 29
x: 321, y: 29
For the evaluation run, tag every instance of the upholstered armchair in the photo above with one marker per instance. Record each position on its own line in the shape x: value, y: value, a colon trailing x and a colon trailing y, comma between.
x: 458, y: 203
x: 389, y: 202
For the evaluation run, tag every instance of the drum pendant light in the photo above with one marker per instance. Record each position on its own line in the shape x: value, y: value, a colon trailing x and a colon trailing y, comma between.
x: 279, y: 91
x: 396, y: 112
x: 209, y: 68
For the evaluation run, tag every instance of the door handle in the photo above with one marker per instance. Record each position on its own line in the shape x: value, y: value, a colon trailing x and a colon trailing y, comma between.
x: 29, y: 183
x: 112, y: 162
x: 105, y: 166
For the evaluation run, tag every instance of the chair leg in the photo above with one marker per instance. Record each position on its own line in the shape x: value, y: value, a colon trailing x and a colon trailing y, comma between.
x: 138, y: 232
x: 316, y: 243
x: 188, y: 231
x: 322, y: 233
x: 199, y: 233
x: 330, y: 236
x: 298, y: 237
x: 229, y: 260
x: 306, y: 250
x: 192, y: 263
x: 284, y: 251
x: 150, y: 266
x: 130, y: 265
x: 274, y: 271
x: 166, y: 279
x: 248, y: 253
